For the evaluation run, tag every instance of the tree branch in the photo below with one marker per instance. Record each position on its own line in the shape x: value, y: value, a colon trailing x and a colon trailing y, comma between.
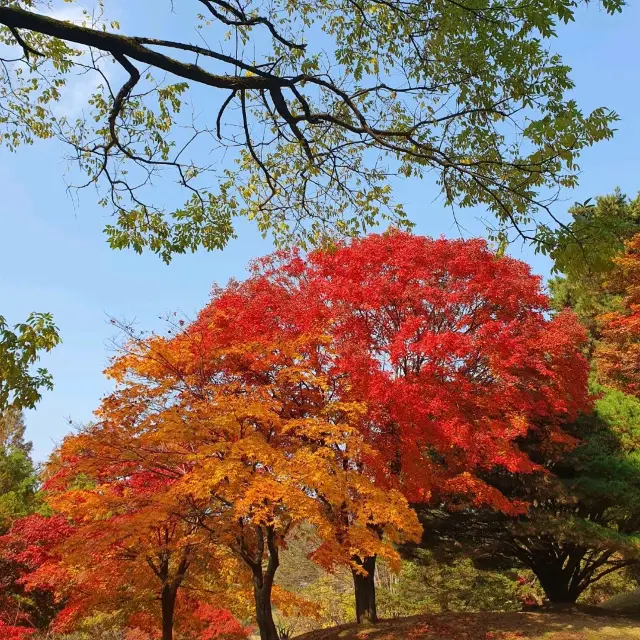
x: 116, y: 44
x: 27, y: 49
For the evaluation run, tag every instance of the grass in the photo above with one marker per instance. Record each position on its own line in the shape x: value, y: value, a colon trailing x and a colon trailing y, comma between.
x: 569, y: 625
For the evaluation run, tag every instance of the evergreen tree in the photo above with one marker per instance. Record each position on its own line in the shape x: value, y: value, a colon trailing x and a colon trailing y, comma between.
x: 18, y: 484
x: 584, y: 516
x: 12, y: 431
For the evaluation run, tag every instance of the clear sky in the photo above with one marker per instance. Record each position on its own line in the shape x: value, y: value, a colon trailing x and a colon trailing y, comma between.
x: 53, y: 256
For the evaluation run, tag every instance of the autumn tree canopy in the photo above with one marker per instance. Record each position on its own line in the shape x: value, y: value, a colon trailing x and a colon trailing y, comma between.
x: 327, y: 390
x: 27, y: 550
x: 238, y: 444
x: 129, y: 550
x: 448, y: 347
x: 20, y: 387
x: 309, y: 108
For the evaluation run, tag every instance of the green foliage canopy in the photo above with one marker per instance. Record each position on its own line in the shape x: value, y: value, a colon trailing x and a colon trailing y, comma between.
x: 20, y: 348
x: 18, y: 485
x: 301, y: 112
x: 18, y: 477
x: 607, y: 464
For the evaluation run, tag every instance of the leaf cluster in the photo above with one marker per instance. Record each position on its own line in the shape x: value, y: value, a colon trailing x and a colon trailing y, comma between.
x: 20, y: 348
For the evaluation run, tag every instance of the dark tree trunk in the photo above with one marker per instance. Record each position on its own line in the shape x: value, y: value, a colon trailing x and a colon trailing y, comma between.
x: 264, y: 615
x: 161, y: 566
x: 560, y: 577
x: 168, y: 600
x: 263, y: 577
x: 557, y: 588
x: 365, y: 590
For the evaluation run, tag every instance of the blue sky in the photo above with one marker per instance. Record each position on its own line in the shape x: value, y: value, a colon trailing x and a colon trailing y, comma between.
x: 53, y: 256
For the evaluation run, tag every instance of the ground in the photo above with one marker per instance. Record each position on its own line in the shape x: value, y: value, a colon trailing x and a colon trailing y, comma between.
x: 628, y: 603
x: 574, y: 625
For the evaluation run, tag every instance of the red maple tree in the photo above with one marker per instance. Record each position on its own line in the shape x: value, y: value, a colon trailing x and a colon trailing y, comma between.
x: 28, y: 550
x: 449, y: 346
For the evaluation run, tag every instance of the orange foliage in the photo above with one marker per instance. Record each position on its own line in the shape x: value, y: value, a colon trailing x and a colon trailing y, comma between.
x: 618, y: 353
x: 217, y: 453
x: 132, y: 546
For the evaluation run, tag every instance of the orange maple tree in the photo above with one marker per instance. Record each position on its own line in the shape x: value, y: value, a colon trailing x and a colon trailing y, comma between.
x: 448, y: 347
x: 618, y: 353
x: 244, y: 443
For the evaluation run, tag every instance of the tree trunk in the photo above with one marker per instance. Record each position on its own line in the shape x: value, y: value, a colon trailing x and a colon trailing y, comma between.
x: 558, y: 593
x: 557, y: 585
x: 264, y: 615
x: 365, y: 591
x: 168, y: 600
x: 263, y: 578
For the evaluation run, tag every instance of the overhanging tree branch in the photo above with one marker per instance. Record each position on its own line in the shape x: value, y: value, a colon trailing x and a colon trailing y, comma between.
x: 130, y: 47
x: 405, y: 87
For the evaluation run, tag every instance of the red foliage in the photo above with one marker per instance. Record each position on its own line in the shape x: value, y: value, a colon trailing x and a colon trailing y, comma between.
x: 217, y: 624
x: 31, y: 539
x: 197, y: 621
x: 449, y: 346
x: 68, y: 617
x: 10, y: 632
x: 144, y: 621
x: 31, y: 543
x: 30, y: 567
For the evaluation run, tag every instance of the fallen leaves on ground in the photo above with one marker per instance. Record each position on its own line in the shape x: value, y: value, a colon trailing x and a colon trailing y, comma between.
x: 490, y: 626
